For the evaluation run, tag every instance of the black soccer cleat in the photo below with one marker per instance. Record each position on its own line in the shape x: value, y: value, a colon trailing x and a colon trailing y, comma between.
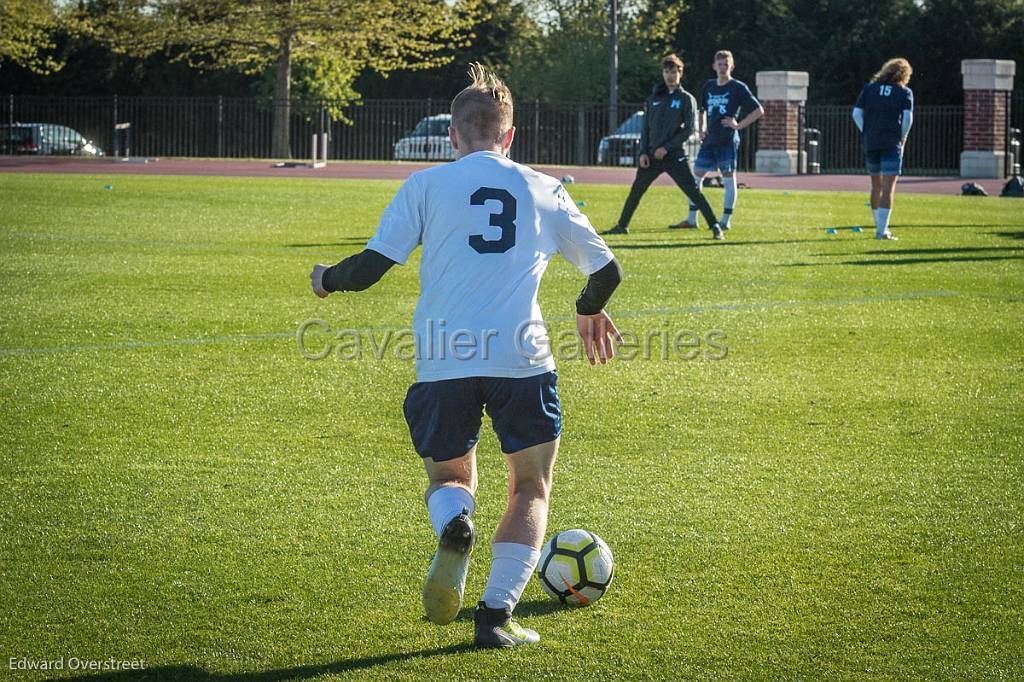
x: 618, y: 229
x: 716, y: 232
x: 446, y: 579
x: 495, y: 629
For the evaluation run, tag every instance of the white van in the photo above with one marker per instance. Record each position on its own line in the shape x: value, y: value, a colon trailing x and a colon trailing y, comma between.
x: 427, y: 141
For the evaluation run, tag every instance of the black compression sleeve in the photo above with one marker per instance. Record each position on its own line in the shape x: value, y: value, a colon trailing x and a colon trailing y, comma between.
x: 357, y: 272
x: 599, y: 289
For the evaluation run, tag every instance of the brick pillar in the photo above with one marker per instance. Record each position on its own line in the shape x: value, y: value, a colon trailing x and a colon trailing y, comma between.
x: 778, y: 134
x: 986, y: 82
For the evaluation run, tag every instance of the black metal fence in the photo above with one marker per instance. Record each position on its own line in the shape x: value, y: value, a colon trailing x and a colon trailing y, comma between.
x: 1014, y: 128
x: 933, y: 147
x: 227, y: 127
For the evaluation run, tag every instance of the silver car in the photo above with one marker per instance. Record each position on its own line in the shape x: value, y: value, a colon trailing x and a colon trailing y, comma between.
x: 45, y: 139
x: 428, y: 141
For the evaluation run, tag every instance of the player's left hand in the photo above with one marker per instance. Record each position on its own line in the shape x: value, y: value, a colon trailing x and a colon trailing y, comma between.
x: 597, y: 332
x: 660, y: 153
x: 316, y: 279
x: 730, y: 122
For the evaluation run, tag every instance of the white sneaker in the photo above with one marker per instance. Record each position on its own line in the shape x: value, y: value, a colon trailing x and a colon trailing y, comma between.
x: 889, y: 236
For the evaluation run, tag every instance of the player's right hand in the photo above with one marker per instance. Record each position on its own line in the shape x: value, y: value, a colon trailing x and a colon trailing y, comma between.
x: 316, y: 279
x: 645, y: 162
x: 597, y: 332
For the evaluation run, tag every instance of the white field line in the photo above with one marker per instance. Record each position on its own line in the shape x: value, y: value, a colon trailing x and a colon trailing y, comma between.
x: 272, y: 336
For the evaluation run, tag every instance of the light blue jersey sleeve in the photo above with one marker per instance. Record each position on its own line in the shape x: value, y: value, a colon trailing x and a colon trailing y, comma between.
x: 401, y: 225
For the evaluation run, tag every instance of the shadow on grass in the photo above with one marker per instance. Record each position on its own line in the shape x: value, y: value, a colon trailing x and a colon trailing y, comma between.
x: 302, y: 672
x: 903, y: 261
x: 899, y: 252
x: 525, y: 609
x: 344, y: 241
x: 626, y: 246
x: 1008, y: 235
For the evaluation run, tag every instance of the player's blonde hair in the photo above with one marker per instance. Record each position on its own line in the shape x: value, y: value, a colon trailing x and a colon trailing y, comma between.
x: 724, y: 54
x: 482, y: 112
x: 896, y: 71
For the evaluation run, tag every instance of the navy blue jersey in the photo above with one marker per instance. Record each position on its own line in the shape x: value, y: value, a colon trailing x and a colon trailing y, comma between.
x: 883, y: 105
x: 732, y: 99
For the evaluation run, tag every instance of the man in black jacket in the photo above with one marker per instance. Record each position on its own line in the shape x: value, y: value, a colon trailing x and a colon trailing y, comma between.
x: 670, y: 117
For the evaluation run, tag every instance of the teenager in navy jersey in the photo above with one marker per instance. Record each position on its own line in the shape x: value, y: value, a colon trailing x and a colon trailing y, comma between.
x: 727, y: 107
x: 884, y: 113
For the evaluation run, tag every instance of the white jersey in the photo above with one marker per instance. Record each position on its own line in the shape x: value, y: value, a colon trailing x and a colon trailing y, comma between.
x: 488, y: 227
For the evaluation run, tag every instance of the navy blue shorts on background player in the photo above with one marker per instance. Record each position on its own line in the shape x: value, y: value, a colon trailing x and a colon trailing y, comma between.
x: 884, y: 161
x: 720, y: 157
x: 444, y: 417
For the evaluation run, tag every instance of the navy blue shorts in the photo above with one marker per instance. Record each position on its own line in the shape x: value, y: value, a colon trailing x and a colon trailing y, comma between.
x: 884, y: 161
x: 444, y: 416
x: 716, y: 157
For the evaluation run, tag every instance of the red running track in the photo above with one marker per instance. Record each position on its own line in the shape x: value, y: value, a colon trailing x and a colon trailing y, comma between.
x: 370, y: 170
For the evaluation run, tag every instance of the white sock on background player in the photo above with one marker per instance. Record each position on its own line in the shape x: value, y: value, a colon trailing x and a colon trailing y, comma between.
x: 882, y: 223
x: 444, y: 504
x: 511, y: 567
x: 692, y: 218
x: 730, y: 199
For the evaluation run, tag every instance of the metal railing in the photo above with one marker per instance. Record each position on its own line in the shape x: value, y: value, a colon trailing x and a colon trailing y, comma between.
x: 1014, y: 126
x: 933, y: 147
x: 232, y: 127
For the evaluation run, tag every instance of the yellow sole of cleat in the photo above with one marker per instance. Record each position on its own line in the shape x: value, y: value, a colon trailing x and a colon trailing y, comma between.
x: 442, y: 591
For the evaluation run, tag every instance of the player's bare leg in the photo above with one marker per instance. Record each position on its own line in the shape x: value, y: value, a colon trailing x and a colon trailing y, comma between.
x: 516, y: 547
x: 450, y: 499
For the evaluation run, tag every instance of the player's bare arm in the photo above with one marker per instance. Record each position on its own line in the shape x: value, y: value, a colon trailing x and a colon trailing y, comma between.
x: 745, y: 122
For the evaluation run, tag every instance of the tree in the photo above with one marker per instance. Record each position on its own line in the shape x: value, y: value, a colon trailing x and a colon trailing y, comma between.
x: 26, y: 34
x: 499, y: 28
x: 331, y: 41
x: 568, y: 59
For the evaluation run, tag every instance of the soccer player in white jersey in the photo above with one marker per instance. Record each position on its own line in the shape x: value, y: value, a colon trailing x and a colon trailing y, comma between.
x: 488, y: 228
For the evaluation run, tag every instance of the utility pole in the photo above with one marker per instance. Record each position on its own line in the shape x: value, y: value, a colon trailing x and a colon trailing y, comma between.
x: 613, y: 66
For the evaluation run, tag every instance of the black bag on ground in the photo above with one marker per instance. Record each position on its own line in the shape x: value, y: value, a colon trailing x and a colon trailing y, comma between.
x: 1014, y: 187
x: 972, y: 189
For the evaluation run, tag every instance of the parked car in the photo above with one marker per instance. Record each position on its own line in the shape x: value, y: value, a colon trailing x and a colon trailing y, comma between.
x: 427, y: 141
x: 44, y: 138
x: 620, y: 148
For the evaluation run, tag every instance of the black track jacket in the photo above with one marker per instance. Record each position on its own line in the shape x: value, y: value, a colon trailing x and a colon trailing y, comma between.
x: 669, y: 120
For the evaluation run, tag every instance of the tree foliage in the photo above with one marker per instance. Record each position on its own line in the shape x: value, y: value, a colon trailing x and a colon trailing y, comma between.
x: 329, y: 42
x: 27, y: 34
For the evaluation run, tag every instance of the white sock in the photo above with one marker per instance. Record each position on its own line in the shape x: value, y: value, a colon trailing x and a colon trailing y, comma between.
x: 511, y: 569
x: 444, y: 504
x: 692, y: 218
x: 730, y: 198
x: 882, y: 226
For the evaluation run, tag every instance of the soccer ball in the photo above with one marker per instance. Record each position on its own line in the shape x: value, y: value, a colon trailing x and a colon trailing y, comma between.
x: 575, y: 567
x: 568, y: 179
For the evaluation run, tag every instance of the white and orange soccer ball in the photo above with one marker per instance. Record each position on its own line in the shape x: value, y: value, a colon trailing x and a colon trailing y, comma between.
x: 575, y: 567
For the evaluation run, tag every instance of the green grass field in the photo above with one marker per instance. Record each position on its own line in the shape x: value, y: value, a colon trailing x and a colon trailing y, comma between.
x: 841, y: 496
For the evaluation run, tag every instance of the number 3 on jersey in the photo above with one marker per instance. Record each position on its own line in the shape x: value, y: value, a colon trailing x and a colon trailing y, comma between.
x: 506, y: 220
